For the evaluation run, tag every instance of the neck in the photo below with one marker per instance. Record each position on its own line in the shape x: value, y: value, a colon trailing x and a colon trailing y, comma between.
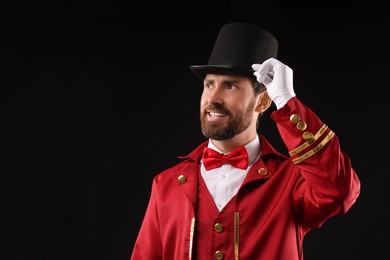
x: 229, y: 145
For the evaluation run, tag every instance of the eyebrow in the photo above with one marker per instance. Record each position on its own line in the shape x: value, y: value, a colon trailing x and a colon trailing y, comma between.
x: 223, y: 82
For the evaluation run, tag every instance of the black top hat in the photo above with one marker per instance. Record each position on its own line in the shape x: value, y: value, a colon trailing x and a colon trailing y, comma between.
x: 237, y: 47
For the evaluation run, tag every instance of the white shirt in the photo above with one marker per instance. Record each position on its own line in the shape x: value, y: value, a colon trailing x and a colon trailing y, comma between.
x: 224, y: 182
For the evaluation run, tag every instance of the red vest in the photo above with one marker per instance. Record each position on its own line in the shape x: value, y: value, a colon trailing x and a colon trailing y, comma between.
x: 215, y: 230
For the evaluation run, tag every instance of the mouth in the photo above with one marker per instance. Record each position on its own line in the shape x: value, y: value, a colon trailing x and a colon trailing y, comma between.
x: 215, y: 116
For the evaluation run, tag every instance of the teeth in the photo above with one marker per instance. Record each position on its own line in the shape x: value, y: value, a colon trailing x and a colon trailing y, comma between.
x: 216, y: 114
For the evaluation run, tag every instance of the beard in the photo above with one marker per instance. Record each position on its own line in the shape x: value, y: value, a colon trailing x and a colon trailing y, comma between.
x: 237, y: 123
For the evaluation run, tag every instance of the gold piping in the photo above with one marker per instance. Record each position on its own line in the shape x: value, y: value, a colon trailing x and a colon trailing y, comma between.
x: 192, y: 231
x: 309, y: 142
x: 315, y: 149
x: 236, y: 234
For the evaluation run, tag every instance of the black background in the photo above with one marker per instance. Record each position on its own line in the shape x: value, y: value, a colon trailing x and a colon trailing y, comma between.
x: 97, y: 97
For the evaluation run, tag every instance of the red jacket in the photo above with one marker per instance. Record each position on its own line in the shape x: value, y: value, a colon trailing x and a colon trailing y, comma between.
x: 281, y: 199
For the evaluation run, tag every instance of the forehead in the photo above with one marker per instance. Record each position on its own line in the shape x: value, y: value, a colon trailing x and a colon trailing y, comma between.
x: 225, y: 77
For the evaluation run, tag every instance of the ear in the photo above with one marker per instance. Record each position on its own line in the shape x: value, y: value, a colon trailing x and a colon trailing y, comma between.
x: 264, y: 102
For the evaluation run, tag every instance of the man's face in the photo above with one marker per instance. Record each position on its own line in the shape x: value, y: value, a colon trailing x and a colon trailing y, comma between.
x: 227, y: 106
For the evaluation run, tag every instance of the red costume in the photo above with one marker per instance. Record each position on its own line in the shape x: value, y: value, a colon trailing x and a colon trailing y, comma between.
x: 281, y: 199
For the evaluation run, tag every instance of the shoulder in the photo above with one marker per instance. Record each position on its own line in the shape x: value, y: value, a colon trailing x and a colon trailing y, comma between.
x: 186, y: 167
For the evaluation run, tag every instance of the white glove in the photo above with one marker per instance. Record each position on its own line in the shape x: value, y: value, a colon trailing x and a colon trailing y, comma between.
x: 277, y: 78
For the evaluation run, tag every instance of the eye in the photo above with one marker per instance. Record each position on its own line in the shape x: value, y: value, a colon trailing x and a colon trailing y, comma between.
x: 231, y: 86
x: 207, y: 85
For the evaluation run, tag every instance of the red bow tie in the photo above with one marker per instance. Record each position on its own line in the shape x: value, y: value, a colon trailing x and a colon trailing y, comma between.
x: 213, y: 159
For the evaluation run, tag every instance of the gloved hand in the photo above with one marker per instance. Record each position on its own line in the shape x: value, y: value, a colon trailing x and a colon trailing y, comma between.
x: 277, y: 78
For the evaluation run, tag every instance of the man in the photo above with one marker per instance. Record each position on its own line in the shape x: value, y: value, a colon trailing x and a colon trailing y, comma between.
x: 235, y: 196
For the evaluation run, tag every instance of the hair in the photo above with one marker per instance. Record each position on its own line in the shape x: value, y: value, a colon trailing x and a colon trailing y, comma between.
x: 258, y: 88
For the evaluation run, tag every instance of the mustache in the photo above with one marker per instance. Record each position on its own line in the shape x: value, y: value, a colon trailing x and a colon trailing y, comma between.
x: 216, y: 108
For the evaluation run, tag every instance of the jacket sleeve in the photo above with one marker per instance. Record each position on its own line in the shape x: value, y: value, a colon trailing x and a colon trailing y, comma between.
x: 148, y: 243
x: 327, y: 184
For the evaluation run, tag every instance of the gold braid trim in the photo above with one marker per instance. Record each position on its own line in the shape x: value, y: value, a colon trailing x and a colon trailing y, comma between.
x: 236, y: 235
x: 309, y: 142
x: 315, y: 149
x: 192, y: 231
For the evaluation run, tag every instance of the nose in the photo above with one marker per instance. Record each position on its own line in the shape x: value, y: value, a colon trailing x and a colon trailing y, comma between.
x: 215, y: 95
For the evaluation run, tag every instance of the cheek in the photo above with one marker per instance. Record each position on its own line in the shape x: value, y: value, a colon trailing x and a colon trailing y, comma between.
x: 203, y: 101
x: 246, y: 107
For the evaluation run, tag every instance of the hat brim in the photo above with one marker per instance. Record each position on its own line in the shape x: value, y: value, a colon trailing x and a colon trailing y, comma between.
x: 202, y: 70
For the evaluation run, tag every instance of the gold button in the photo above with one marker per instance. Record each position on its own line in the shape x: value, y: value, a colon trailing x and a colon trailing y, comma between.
x: 182, y: 179
x: 219, y: 255
x: 262, y: 171
x: 218, y: 227
x: 294, y: 118
x: 301, y: 126
x: 307, y: 136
